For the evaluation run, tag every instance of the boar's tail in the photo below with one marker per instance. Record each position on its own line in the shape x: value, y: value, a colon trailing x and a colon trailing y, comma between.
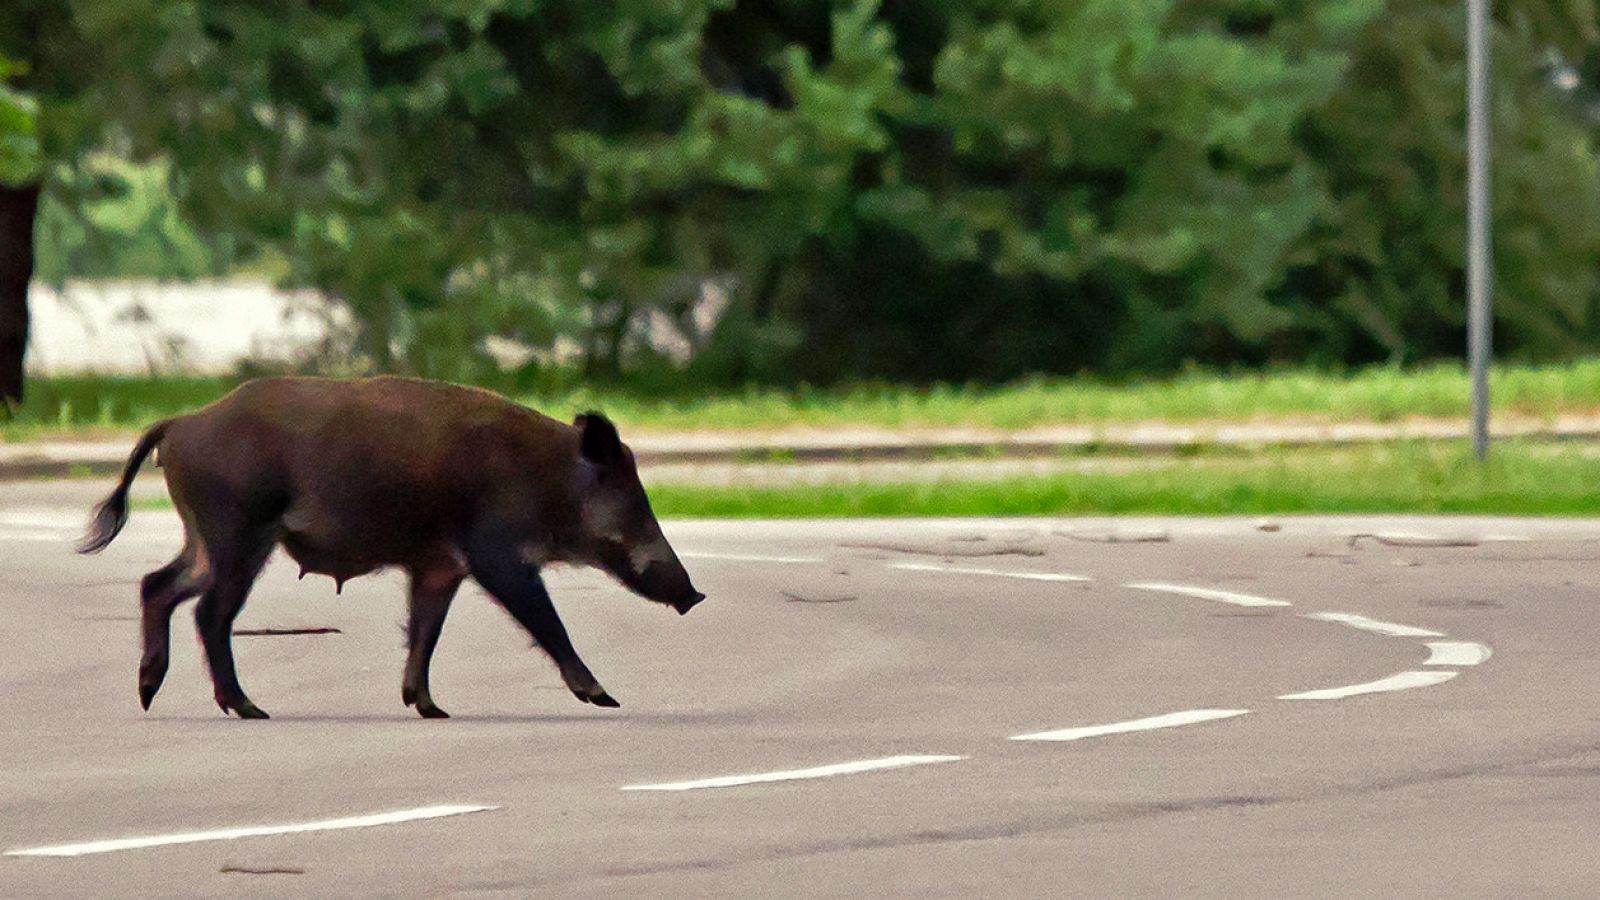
x: 112, y: 513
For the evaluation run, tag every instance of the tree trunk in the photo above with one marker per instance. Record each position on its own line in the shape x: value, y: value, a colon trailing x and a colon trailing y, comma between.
x: 17, y: 209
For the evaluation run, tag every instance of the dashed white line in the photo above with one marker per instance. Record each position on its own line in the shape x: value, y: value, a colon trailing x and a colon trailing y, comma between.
x: 1373, y: 625
x: 42, y: 518
x: 43, y: 537
x: 1170, y: 720
x: 744, y: 557
x: 1207, y: 594
x: 1457, y: 653
x: 229, y: 834
x: 1401, y: 682
x: 848, y: 768
x: 1000, y: 573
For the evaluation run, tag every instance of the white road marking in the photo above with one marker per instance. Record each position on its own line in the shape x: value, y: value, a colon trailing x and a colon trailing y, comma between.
x: 1457, y: 653
x: 964, y: 570
x: 1170, y: 720
x: 1207, y: 594
x: 1373, y: 625
x: 229, y: 834
x: 849, y: 768
x: 43, y: 518
x: 43, y: 537
x: 1401, y: 682
x: 743, y: 557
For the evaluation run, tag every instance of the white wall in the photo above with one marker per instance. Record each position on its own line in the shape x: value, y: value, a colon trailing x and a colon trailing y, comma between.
x: 137, y: 327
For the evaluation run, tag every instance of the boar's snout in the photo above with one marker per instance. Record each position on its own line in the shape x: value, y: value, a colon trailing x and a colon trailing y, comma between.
x: 668, y: 583
x: 683, y: 606
x: 662, y: 579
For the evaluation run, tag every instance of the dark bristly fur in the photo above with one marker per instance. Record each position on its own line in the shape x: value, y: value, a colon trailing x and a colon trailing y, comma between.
x: 353, y: 476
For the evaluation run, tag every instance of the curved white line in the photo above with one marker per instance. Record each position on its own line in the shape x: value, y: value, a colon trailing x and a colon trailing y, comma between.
x: 1373, y: 625
x: 849, y: 768
x: 1457, y: 653
x: 228, y: 834
x: 1207, y: 594
x: 1170, y: 720
x: 1401, y: 682
x: 1001, y: 573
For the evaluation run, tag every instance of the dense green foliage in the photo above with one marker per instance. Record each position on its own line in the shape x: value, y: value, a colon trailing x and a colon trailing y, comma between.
x: 103, y: 215
x: 110, y: 218
x: 19, y: 142
x: 893, y: 189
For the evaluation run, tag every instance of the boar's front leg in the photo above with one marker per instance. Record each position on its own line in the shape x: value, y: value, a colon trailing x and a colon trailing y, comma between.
x: 516, y: 585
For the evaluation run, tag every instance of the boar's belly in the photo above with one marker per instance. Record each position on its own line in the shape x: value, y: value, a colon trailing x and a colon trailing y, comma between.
x: 326, y: 543
x: 317, y: 558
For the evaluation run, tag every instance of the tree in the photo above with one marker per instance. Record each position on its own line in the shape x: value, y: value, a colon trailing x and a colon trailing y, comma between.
x: 417, y: 161
x: 890, y: 189
x: 1093, y: 184
x: 1381, y: 276
x: 19, y: 200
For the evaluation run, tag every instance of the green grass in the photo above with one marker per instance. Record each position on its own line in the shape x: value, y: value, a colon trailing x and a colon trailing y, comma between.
x: 79, y: 405
x: 1376, y: 394
x: 1521, y: 479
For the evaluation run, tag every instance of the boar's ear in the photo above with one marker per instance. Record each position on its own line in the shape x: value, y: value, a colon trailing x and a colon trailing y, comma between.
x: 600, y: 443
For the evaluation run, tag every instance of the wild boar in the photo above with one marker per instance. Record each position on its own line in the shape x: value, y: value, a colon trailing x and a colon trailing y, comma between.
x: 352, y: 476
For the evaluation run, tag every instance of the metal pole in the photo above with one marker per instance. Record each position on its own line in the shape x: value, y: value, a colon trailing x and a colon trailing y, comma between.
x: 1480, y: 272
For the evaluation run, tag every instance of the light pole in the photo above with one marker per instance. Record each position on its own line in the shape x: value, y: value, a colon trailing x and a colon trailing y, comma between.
x: 1480, y: 267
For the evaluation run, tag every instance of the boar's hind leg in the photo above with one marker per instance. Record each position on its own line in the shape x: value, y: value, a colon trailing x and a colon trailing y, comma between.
x: 516, y: 585
x: 159, y: 594
x: 232, y: 575
x: 431, y: 593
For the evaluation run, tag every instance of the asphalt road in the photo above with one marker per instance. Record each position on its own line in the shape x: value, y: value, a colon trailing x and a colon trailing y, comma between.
x: 852, y: 642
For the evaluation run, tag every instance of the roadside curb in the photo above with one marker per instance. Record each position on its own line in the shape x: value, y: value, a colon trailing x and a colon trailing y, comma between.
x: 47, y: 459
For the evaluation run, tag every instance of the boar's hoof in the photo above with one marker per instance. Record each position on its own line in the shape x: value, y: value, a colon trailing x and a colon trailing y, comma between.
x: 152, y: 672
x: 244, y: 709
x: 600, y: 698
x: 424, y: 705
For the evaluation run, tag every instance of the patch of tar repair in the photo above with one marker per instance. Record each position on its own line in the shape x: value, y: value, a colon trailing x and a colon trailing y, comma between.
x: 796, y: 598
x: 260, y: 870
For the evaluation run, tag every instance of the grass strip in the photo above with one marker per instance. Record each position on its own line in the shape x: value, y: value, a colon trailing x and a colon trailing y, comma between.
x: 1380, y: 394
x: 1521, y: 479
